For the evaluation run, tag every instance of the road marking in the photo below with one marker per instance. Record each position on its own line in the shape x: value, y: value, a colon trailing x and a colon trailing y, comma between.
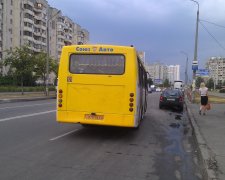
x: 63, y: 135
x: 26, y: 115
x: 25, y: 106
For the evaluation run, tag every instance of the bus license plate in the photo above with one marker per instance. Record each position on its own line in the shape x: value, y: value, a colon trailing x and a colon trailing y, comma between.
x: 93, y: 117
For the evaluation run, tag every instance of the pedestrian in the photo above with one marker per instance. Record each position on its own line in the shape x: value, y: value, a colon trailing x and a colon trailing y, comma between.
x: 203, y: 91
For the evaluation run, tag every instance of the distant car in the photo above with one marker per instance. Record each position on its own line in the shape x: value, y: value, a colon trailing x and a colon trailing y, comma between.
x: 149, y: 90
x: 158, y: 89
x: 172, y: 98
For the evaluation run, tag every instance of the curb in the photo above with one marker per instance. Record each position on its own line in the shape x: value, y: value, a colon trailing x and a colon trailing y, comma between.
x: 25, y: 99
x: 206, y: 156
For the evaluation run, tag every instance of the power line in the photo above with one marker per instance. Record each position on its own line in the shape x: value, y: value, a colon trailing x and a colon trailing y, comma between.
x: 212, y: 36
x: 218, y: 25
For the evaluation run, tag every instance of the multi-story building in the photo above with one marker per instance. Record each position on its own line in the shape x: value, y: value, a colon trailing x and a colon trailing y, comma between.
x: 1, y: 29
x: 173, y: 73
x: 216, y: 67
x: 29, y: 22
x: 63, y: 31
x: 157, y: 72
x: 160, y: 72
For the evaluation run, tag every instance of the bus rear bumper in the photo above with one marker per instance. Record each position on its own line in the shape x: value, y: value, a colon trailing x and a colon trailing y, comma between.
x: 102, y: 119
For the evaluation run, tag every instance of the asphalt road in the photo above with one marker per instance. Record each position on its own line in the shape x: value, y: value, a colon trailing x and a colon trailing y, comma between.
x: 34, y: 146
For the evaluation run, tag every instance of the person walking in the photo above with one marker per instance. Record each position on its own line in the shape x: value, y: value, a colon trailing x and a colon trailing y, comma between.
x: 203, y: 91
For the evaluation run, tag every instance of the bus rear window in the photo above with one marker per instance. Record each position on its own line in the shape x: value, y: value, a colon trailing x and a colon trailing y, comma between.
x: 97, y: 64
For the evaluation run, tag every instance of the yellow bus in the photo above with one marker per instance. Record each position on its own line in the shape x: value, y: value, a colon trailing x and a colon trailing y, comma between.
x: 101, y: 85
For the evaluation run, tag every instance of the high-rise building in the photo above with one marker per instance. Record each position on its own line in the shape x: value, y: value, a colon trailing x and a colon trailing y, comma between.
x: 63, y: 31
x: 1, y: 28
x: 160, y: 72
x: 26, y: 22
x: 216, y: 67
x: 173, y: 73
x: 157, y: 72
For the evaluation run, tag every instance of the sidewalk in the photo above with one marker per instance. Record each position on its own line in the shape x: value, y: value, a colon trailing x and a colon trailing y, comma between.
x: 28, y: 96
x: 209, y: 131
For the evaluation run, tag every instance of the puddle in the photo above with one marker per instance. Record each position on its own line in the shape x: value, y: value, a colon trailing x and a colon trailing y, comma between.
x: 178, y: 117
x: 175, y: 125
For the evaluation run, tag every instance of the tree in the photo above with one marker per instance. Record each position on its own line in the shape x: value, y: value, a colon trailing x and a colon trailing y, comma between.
x: 1, y: 68
x: 21, y: 63
x: 224, y: 83
x: 210, y: 83
x: 40, y: 65
x: 150, y: 82
x: 198, y: 81
x: 166, y: 83
x: 54, y: 67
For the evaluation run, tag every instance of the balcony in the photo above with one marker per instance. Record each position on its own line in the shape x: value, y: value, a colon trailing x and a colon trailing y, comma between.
x: 29, y: 11
x: 26, y: 28
x: 29, y: 38
x: 37, y: 17
x: 60, y: 36
x: 37, y: 9
x: 28, y: 20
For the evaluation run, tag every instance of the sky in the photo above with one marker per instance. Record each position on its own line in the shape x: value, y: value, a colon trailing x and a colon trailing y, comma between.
x: 163, y: 29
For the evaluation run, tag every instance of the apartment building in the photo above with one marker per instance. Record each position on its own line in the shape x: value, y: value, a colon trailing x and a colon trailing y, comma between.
x: 157, y: 72
x: 35, y: 23
x: 63, y: 31
x: 173, y: 73
x: 1, y: 28
x: 160, y: 72
x: 216, y: 67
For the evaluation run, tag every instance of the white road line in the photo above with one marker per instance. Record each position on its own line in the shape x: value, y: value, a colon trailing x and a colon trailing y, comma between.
x: 25, y: 106
x: 60, y: 136
x: 26, y: 115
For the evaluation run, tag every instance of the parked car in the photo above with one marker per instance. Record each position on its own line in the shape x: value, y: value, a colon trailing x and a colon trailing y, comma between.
x: 172, y: 98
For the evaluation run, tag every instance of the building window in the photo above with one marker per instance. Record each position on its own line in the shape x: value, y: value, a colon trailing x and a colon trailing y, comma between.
x: 11, y: 21
x: 27, y: 33
x: 10, y: 30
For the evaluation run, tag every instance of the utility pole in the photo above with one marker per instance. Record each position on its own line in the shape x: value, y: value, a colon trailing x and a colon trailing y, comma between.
x: 195, y: 61
x: 186, y: 67
x: 48, y: 55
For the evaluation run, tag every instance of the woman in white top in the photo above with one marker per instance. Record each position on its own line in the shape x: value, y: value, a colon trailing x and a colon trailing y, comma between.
x: 204, y: 98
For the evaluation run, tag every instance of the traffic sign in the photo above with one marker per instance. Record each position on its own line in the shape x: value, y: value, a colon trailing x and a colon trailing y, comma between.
x: 202, y: 72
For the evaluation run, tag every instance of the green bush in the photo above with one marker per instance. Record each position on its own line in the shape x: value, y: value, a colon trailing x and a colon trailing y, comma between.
x: 25, y: 89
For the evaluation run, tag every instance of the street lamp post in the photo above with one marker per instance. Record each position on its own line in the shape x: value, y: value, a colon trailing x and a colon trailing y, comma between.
x: 186, y: 67
x: 195, y: 61
x: 47, y: 60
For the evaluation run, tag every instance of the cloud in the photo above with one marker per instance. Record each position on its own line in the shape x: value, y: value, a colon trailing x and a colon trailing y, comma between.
x: 162, y: 28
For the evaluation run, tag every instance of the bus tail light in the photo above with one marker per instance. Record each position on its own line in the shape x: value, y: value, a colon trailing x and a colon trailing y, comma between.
x: 60, y: 95
x: 131, y: 109
x: 131, y: 104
